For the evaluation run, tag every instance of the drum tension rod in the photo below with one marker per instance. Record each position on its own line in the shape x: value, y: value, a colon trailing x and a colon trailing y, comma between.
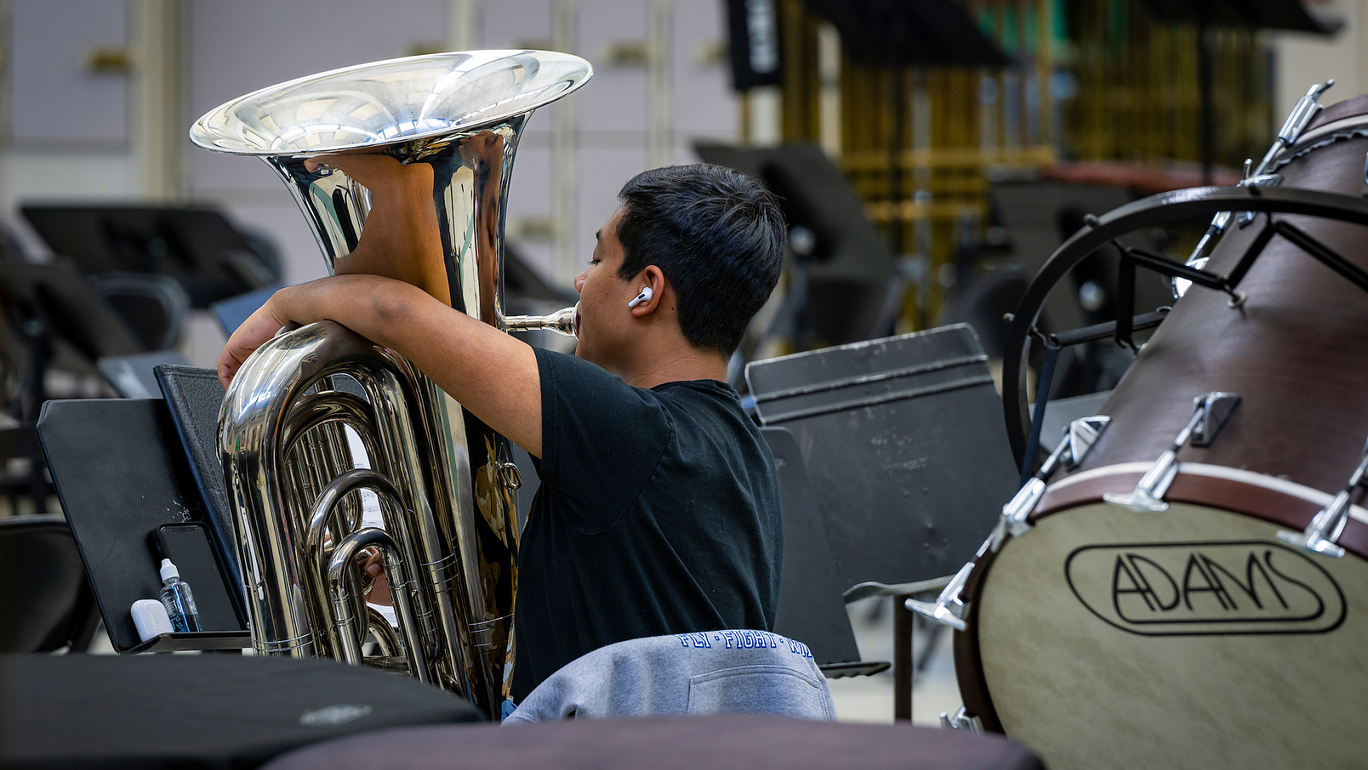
x: 1210, y: 411
x: 948, y: 609
x: 1079, y: 437
x: 1328, y: 524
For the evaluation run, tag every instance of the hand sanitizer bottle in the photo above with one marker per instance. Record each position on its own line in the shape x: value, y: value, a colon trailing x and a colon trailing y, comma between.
x: 176, y: 597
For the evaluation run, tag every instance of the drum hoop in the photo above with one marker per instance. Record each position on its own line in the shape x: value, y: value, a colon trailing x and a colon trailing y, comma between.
x: 1279, y: 501
x: 1351, y: 127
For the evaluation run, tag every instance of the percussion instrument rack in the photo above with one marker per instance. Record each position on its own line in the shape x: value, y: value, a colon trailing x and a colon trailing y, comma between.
x: 1156, y: 210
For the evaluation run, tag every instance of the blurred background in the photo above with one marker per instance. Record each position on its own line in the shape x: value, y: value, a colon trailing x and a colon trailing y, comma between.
x: 930, y: 156
x: 917, y: 151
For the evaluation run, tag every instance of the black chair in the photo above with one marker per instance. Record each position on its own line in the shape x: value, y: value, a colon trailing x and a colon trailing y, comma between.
x: 46, y: 602
x: 23, y: 470
x: 153, y: 306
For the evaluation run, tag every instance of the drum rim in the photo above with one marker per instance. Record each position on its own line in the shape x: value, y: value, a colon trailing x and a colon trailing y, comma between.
x: 1276, y: 500
x: 1279, y: 501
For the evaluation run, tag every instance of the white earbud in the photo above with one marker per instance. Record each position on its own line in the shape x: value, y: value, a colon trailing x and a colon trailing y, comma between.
x: 644, y: 296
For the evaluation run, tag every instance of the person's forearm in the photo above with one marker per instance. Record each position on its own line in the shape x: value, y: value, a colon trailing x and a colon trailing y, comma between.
x: 487, y: 371
x: 374, y: 307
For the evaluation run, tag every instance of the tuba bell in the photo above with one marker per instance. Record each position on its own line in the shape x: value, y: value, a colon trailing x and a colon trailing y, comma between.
x: 445, y: 481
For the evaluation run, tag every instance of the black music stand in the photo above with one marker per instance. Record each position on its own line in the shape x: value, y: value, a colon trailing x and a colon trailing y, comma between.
x: 842, y: 285
x: 198, y: 247
x: 905, y: 32
x: 810, y: 606
x: 1285, y: 15
x: 908, y: 456
x: 120, y: 474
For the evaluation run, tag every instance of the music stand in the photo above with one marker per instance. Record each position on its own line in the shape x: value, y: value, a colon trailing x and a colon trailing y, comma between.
x: 908, y: 455
x: 810, y: 606
x: 902, y: 33
x: 120, y: 473
x: 198, y: 247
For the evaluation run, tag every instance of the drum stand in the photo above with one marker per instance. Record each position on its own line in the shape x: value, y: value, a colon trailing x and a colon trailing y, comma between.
x: 1149, y: 212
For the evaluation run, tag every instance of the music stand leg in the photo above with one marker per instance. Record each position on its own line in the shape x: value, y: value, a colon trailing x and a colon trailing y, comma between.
x: 902, y: 660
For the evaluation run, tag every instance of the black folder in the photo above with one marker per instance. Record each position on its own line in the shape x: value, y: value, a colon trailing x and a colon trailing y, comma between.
x: 195, y: 397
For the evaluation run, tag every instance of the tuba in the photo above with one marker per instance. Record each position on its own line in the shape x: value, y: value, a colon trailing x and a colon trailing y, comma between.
x: 444, y: 480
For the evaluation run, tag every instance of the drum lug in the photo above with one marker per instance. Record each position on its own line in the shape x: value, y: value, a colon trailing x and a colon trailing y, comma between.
x: 962, y: 720
x: 1328, y: 524
x: 1078, y: 440
x: 1210, y: 411
x: 947, y: 609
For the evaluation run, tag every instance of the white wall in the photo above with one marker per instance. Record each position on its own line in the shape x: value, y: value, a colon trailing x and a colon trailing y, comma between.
x: 1302, y: 60
x: 234, y: 48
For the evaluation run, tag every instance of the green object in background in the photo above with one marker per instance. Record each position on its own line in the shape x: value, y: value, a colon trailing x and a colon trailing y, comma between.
x: 1059, y: 27
x: 1011, y: 30
x: 1118, y: 23
x: 986, y: 21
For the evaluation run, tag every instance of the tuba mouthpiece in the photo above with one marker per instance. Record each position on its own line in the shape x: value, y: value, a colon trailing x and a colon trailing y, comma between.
x: 564, y: 321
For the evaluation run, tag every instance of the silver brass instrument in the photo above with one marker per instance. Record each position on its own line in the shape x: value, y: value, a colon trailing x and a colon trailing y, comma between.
x: 444, y: 479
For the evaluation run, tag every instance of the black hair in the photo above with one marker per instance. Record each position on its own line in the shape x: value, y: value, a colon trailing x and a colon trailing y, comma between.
x: 718, y: 237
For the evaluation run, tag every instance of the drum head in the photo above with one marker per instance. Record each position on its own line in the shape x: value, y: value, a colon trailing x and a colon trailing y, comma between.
x: 1190, y: 638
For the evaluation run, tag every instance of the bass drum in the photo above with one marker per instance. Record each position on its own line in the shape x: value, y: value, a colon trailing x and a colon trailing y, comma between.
x: 1107, y: 636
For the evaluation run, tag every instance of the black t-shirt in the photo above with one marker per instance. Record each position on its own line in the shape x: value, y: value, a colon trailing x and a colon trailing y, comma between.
x: 658, y: 513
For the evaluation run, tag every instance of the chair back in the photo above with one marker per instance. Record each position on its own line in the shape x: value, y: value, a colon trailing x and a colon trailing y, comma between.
x: 46, y: 602
x: 733, y: 671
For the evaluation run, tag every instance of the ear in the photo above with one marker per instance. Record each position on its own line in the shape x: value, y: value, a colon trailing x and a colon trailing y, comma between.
x: 654, y: 278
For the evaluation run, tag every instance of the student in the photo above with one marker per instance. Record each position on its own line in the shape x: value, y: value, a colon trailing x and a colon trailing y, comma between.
x: 658, y: 510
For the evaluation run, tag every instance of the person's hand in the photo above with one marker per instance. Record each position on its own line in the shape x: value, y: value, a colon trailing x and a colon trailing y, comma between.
x: 400, y: 239
x: 374, y: 568
x: 259, y: 327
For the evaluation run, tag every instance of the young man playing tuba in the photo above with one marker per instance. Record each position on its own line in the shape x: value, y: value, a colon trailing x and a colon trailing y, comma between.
x: 658, y: 510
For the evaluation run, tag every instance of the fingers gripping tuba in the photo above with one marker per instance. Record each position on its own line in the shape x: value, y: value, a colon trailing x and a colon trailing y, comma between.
x: 444, y: 480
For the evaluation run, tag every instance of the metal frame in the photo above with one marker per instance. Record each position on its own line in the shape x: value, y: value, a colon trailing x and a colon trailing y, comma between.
x: 1180, y: 205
